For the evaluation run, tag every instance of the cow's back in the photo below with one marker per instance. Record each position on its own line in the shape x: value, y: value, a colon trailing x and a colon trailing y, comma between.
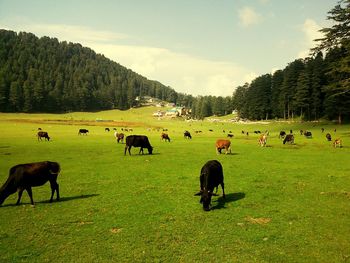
x: 213, y: 172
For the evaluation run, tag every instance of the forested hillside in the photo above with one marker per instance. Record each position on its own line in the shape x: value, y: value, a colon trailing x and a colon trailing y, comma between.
x: 45, y: 75
x: 311, y: 88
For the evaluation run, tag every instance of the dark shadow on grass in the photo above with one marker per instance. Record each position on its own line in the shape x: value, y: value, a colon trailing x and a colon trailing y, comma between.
x: 220, y: 202
x: 141, y: 155
x: 62, y: 199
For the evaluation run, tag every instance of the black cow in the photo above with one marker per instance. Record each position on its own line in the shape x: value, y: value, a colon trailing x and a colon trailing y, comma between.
x: 42, y: 134
x: 107, y: 129
x: 329, y: 137
x: 289, y: 138
x: 211, y: 176
x: 257, y: 132
x: 282, y: 134
x: 187, y: 135
x: 25, y: 176
x: 138, y: 141
x: 230, y: 135
x: 83, y: 131
x: 307, y: 134
x: 165, y: 136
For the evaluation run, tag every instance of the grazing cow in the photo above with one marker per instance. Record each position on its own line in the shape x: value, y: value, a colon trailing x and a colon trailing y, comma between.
x: 257, y: 132
x: 223, y: 144
x: 107, y: 129
x: 230, y: 135
x: 337, y: 142
x: 42, y: 134
x: 25, y: 176
x: 165, y: 136
x: 138, y: 141
x: 307, y: 134
x: 39, y: 129
x: 263, y: 140
x: 247, y: 133
x: 83, y: 131
x: 291, y: 131
x: 282, y: 134
x: 329, y: 137
x: 243, y: 132
x: 211, y: 130
x: 301, y: 132
x: 322, y: 130
x: 187, y: 135
x: 114, y: 129
x: 211, y: 177
x: 289, y: 138
x: 119, y: 137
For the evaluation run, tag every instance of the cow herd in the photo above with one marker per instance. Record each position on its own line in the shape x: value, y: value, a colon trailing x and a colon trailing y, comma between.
x: 25, y: 176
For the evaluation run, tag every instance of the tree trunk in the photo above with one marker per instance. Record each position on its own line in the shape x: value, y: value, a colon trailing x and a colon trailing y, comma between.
x: 339, y: 118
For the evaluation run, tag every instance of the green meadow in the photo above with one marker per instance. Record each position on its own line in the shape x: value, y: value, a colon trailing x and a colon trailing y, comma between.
x: 284, y: 203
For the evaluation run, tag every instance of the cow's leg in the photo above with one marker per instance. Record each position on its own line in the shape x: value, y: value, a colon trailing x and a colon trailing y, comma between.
x: 29, y: 191
x: 141, y: 150
x: 54, y: 187
x: 129, y: 150
x: 20, y: 192
x: 223, y: 190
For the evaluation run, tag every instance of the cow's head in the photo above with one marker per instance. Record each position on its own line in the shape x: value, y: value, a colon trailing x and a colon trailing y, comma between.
x: 150, y: 150
x: 206, y: 198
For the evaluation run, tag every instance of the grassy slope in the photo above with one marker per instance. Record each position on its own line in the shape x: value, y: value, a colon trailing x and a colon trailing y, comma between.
x: 285, y: 203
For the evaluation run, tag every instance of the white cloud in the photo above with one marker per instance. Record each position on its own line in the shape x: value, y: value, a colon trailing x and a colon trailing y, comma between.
x: 183, y: 72
x: 248, y: 16
x: 311, y: 32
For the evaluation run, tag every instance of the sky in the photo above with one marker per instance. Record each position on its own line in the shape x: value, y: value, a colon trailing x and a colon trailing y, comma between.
x: 197, y: 47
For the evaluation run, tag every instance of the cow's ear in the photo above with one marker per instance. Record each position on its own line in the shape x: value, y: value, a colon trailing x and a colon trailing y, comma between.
x: 199, y: 193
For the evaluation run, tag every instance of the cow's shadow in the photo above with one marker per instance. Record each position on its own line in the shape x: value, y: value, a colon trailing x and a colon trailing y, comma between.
x: 62, y: 199
x: 220, y: 202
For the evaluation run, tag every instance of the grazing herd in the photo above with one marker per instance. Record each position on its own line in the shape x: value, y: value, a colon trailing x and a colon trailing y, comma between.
x: 25, y: 176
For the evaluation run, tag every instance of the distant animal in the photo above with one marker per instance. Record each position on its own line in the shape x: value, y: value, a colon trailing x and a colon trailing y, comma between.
x: 322, y: 130
x: 329, y: 137
x: 263, y: 140
x: 83, y: 131
x: 198, y: 131
x: 247, y: 133
x: 301, y: 132
x: 335, y: 130
x: 210, y: 130
x: 282, y: 134
x: 114, y: 129
x: 165, y: 129
x: 257, y: 132
x: 289, y: 138
x: 39, y: 129
x: 107, y: 129
x: 138, y: 141
x: 243, y: 132
x: 119, y: 137
x: 211, y: 177
x: 42, y: 134
x: 230, y: 135
x: 337, y: 142
x: 25, y: 176
x: 165, y: 136
x: 291, y: 131
x: 307, y: 134
x: 223, y: 144
x: 187, y: 135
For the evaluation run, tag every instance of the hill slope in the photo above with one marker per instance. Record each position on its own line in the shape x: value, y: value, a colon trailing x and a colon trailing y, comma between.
x: 45, y: 75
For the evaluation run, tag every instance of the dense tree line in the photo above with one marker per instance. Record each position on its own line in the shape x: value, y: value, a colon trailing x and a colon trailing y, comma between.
x: 311, y: 88
x: 45, y: 75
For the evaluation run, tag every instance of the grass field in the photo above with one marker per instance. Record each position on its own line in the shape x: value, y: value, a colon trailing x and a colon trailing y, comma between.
x: 285, y: 203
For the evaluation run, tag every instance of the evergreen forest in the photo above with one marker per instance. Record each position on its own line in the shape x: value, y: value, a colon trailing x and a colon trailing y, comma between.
x: 45, y: 75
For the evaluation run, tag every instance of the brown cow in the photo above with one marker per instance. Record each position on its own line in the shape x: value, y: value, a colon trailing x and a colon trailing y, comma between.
x: 165, y: 136
x: 119, y: 137
x: 337, y: 142
x: 263, y: 140
x: 25, y: 176
x: 223, y: 144
x: 42, y: 134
